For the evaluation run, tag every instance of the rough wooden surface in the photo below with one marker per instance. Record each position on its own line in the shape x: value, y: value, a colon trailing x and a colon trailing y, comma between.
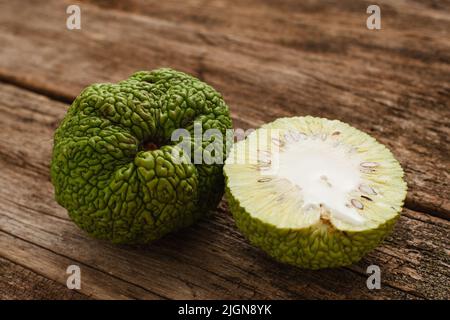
x: 269, y: 59
x: 18, y: 282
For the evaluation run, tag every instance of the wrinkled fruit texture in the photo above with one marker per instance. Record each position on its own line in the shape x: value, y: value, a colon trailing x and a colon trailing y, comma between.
x: 112, y: 167
x: 336, y: 194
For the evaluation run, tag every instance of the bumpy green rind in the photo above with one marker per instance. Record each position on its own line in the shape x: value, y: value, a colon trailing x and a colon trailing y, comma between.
x: 316, y: 247
x: 115, y: 189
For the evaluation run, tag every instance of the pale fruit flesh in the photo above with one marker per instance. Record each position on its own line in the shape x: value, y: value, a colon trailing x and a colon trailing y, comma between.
x: 325, y: 183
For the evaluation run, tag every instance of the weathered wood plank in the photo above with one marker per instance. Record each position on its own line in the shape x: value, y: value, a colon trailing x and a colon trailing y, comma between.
x: 399, y: 96
x: 208, y: 260
x: 320, y: 27
x: 52, y: 265
x: 17, y: 282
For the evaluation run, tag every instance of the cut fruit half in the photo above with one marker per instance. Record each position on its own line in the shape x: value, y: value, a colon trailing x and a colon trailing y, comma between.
x: 313, y: 192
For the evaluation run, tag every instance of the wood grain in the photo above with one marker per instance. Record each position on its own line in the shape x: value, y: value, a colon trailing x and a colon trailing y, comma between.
x: 269, y: 59
x: 208, y: 260
x: 18, y: 282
